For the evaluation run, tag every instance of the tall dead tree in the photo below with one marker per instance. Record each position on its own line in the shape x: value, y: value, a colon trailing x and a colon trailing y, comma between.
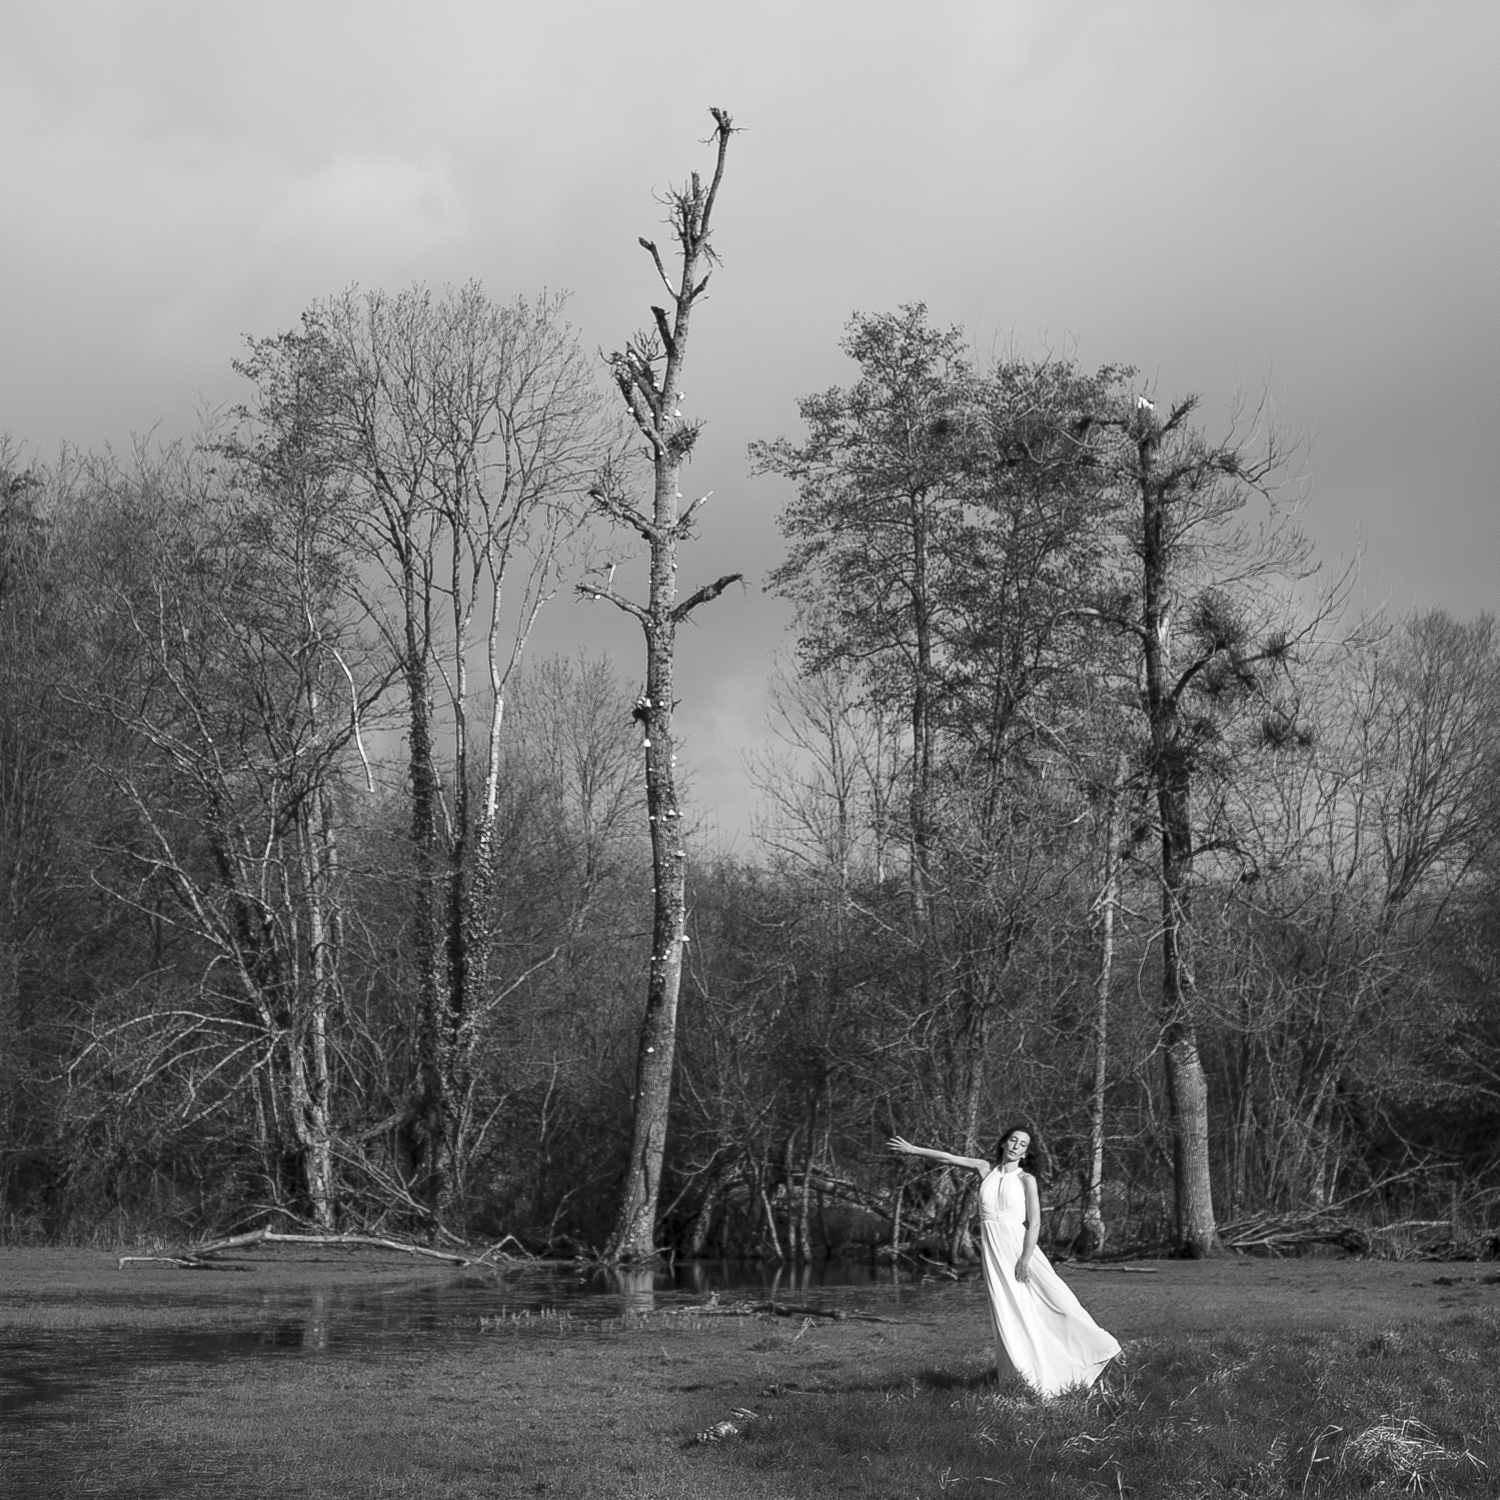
x: 648, y: 373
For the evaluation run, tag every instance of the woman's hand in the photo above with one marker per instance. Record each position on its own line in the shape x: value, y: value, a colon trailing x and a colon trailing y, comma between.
x: 1023, y: 1270
x: 903, y: 1147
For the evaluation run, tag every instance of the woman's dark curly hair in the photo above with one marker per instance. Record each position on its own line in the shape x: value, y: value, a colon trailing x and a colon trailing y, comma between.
x: 1035, y: 1160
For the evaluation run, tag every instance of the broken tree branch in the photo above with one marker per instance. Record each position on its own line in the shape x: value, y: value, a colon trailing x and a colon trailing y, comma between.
x: 704, y: 595
x: 195, y: 1259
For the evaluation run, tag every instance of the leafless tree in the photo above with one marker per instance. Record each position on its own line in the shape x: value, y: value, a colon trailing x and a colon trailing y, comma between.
x: 467, y: 431
x: 648, y: 374
x: 233, y: 681
x: 1373, y: 819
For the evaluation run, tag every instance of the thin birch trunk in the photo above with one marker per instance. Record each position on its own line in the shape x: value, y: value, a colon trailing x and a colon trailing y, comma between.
x: 1094, y: 1233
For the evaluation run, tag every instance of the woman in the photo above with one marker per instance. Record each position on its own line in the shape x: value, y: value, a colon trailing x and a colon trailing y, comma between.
x: 1042, y: 1332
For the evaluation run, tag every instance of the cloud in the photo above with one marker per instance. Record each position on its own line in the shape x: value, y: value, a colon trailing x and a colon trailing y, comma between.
x: 1226, y: 196
x: 301, y: 231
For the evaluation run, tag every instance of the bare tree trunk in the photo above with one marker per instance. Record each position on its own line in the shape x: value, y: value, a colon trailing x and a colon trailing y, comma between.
x: 1187, y: 1084
x: 460, y: 918
x: 771, y: 1235
x: 654, y: 402
x: 634, y: 1234
x: 429, y: 1129
x: 1094, y: 1233
x: 321, y: 863
x: 704, y: 1222
x: 805, y: 1210
x: 961, y: 1245
x: 922, y: 737
x: 976, y: 1067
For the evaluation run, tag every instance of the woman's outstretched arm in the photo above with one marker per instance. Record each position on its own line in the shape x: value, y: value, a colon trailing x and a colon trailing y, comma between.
x: 905, y: 1148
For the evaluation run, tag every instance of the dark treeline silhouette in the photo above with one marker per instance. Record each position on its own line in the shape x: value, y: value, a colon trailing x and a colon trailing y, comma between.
x: 320, y: 905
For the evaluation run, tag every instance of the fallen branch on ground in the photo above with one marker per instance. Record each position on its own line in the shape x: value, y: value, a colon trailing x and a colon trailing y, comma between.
x: 194, y: 1261
x: 498, y: 1248
x: 1283, y: 1233
x: 1277, y: 1234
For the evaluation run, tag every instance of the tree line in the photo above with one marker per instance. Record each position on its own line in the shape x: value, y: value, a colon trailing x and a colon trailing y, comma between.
x: 323, y: 904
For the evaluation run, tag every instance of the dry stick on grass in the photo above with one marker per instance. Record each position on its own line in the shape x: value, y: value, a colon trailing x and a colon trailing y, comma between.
x: 196, y: 1262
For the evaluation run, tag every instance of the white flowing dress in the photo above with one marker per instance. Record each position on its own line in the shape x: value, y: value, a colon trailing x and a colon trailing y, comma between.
x: 1042, y: 1331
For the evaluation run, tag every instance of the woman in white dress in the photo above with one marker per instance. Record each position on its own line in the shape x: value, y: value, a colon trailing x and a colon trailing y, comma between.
x: 1042, y: 1332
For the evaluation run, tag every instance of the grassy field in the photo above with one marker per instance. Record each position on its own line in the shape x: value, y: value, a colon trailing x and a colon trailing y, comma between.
x: 1252, y: 1378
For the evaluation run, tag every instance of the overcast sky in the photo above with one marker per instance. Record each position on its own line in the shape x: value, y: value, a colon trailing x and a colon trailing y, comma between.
x: 1298, y: 200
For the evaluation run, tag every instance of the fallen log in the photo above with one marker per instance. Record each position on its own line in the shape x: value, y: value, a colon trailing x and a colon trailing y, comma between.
x: 194, y: 1260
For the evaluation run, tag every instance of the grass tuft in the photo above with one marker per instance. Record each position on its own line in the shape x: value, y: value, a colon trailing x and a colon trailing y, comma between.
x: 1404, y: 1450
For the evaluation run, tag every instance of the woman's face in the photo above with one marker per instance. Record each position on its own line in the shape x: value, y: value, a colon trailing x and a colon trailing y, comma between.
x: 1017, y: 1144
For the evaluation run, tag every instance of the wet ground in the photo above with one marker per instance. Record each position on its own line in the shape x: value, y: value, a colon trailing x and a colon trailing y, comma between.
x: 47, y: 1355
x: 75, y: 1331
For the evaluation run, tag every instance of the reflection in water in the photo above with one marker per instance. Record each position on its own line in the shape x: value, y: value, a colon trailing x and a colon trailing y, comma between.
x: 315, y: 1328
x: 634, y: 1285
x: 40, y: 1370
x: 756, y: 1281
